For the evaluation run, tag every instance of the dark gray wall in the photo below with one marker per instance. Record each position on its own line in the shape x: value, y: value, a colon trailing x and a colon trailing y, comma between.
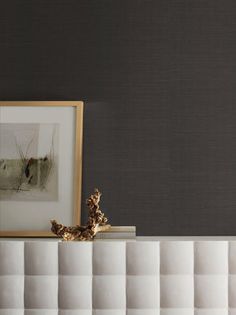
x: 159, y: 81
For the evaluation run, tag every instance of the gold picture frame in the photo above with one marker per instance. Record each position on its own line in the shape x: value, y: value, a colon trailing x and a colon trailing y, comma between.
x: 78, y: 106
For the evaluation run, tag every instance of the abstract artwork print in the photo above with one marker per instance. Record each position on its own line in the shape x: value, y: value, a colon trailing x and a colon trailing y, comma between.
x: 29, y: 161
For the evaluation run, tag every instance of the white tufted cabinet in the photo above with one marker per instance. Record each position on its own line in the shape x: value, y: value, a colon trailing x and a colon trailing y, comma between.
x: 118, y: 278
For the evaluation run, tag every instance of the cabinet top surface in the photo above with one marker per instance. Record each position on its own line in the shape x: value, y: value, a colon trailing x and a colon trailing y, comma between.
x: 137, y: 239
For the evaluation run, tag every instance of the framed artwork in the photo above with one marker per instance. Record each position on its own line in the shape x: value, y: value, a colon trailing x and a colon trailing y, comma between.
x: 40, y: 166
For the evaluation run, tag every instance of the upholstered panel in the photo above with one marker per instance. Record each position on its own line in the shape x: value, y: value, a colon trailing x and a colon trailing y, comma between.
x: 118, y: 278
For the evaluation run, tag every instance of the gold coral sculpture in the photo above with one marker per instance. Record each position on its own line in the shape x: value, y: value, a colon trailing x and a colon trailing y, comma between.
x: 97, y: 222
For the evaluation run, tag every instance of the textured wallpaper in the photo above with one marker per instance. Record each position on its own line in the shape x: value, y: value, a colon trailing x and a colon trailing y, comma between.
x: 159, y: 81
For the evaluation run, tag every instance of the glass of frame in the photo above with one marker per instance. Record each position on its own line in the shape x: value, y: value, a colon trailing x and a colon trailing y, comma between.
x: 40, y: 166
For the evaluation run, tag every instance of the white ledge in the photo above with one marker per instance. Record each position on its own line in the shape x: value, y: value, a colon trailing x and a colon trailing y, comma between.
x: 138, y: 238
